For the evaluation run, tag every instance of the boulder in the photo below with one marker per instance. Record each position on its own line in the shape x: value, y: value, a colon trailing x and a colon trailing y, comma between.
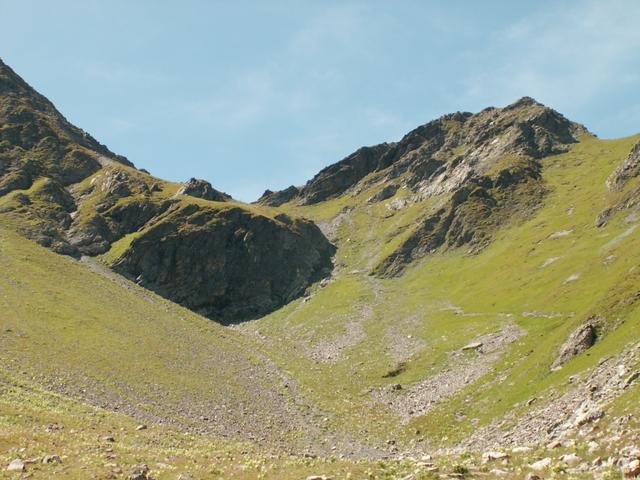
x: 17, y: 465
x: 581, y: 339
x: 541, y: 465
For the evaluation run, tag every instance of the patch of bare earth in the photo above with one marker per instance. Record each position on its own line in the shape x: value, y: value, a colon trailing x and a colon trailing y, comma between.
x: 576, y: 411
x: 465, y: 366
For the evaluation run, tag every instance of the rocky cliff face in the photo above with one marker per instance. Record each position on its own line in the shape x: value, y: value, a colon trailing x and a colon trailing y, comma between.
x: 229, y: 264
x: 70, y: 193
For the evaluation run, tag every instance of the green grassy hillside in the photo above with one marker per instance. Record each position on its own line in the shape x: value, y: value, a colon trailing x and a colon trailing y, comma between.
x: 363, y: 367
x: 531, y: 287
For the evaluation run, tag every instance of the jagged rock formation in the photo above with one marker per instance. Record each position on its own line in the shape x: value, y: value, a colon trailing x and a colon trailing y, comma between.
x: 485, y: 168
x: 275, y: 199
x: 71, y: 194
x: 444, y: 153
x: 203, y: 189
x: 627, y: 170
x: 618, y: 181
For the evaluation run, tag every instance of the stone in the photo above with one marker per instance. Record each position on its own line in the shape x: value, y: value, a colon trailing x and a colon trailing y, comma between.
x: 141, y: 427
x: 581, y: 339
x: 589, y: 416
x: 632, y: 469
x: 554, y: 444
x: 17, y: 465
x: 51, y: 459
x: 497, y: 472
x: 521, y: 449
x: 490, y: 456
x: 541, y: 465
x: 571, y: 459
x: 140, y: 472
x: 318, y: 477
x: 532, y: 476
x: 472, y: 346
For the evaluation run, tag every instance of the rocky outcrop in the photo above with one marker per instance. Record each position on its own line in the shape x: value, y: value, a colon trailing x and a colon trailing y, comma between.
x: 619, y: 179
x: 384, y: 193
x: 227, y: 264
x: 202, y: 189
x: 580, y: 340
x: 628, y: 169
x: 339, y: 177
x: 275, y: 199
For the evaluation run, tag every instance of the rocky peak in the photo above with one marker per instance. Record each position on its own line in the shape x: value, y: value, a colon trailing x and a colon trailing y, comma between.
x: 275, y: 199
x: 196, y: 187
x: 440, y: 155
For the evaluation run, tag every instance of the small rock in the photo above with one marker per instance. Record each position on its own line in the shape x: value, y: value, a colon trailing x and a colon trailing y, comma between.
x: 318, y: 477
x: 588, y: 417
x: 532, y: 476
x: 541, y: 465
x: 51, y: 459
x: 496, y: 472
x: 571, y: 459
x: 140, y: 472
x: 17, y: 465
x: 472, y: 346
x: 108, y: 438
x: 141, y: 427
x: 489, y: 456
x: 632, y: 469
x: 554, y: 444
x: 521, y: 449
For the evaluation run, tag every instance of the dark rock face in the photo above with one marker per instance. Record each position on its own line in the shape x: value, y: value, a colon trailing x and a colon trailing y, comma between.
x: 338, y: 178
x: 275, y: 199
x: 230, y: 264
x: 203, y: 189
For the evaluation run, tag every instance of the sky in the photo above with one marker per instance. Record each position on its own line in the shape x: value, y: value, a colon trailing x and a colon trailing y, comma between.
x: 261, y: 94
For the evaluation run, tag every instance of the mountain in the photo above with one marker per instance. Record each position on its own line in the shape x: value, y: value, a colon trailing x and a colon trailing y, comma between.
x: 462, y: 303
x: 191, y: 243
x: 485, y: 168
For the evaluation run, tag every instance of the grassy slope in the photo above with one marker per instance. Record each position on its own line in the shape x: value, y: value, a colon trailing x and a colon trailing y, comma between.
x: 506, y: 278
x: 61, y: 322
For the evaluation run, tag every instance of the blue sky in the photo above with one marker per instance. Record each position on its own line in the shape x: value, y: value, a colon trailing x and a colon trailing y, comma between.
x: 262, y: 94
